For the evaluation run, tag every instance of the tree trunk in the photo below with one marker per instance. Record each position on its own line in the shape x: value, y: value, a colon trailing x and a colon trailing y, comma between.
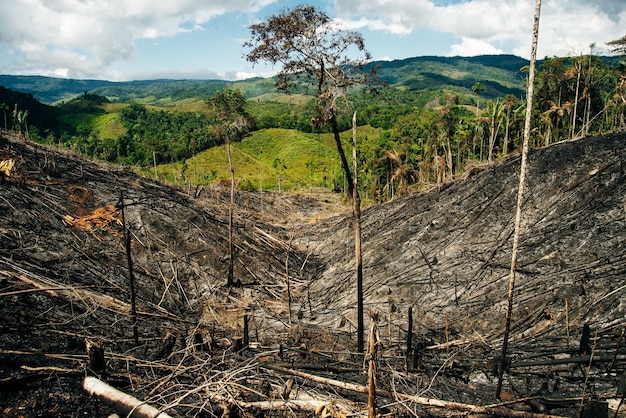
x: 342, y: 155
x: 371, y: 373
x: 579, y: 69
x: 409, y: 339
x: 131, y: 276
x: 122, y: 402
x: 520, y: 195
x: 356, y: 213
x: 505, y: 145
x: 231, y: 259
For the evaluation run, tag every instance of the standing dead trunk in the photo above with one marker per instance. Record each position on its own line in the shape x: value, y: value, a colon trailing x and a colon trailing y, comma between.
x: 231, y: 259
x: 288, y: 283
x: 505, y: 142
x: 409, y: 339
x: 371, y: 374
x: 520, y: 195
x: 356, y: 215
x: 579, y: 70
x: 131, y: 276
x: 156, y: 173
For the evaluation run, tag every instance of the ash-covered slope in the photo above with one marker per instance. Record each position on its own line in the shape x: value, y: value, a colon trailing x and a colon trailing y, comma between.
x: 64, y: 279
x: 61, y: 218
x: 64, y: 275
x: 447, y: 252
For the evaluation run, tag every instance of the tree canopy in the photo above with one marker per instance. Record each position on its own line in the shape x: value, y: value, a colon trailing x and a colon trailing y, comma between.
x: 310, y: 45
x: 618, y: 46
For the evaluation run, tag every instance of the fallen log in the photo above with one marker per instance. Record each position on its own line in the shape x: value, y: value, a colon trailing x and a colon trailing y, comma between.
x: 122, y: 402
x: 435, y: 403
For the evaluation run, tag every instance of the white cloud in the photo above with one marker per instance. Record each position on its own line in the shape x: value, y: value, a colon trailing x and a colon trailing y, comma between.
x: 566, y: 27
x: 471, y: 47
x: 570, y: 29
x: 89, y: 38
x: 89, y: 35
x: 393, y: 16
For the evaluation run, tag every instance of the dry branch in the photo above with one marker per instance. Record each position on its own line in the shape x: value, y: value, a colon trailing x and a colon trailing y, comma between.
x: 311, y: 405
x: 122, y: 402
x: 6, y: 166
x: 80, y: 293
x: 569, y: 360
x: 435, y: 403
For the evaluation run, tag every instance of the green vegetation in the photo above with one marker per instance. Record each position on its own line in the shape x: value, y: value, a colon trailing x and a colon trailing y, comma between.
x: 277, y: 159
x: 409, y: 137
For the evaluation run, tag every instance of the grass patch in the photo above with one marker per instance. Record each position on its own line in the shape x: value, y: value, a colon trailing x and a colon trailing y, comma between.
x: 271, y: 159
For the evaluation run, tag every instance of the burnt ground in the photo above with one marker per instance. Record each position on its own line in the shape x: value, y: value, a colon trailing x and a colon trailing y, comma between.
x: 445, y: 253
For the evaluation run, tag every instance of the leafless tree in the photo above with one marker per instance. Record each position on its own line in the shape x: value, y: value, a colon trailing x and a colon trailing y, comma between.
x: 520, y: 193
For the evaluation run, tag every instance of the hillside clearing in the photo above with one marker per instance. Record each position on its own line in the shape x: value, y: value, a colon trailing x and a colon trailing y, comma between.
x: 442, y: 253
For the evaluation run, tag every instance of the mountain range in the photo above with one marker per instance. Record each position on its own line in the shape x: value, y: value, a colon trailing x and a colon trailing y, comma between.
x: 499, y: 74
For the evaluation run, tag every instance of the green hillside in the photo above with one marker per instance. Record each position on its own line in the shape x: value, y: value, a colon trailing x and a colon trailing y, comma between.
x: 500, y: 74
x: 276, y: 159
x: 50, y: 90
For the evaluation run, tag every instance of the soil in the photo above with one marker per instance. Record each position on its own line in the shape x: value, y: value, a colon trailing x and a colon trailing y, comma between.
x: 204, y: 349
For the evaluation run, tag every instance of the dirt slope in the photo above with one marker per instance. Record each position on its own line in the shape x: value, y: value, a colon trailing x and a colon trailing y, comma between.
x: 445, y: 253
x: 448, y: 252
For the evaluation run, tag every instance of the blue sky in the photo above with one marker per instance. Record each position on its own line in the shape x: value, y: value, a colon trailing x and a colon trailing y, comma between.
x: 146, y: 39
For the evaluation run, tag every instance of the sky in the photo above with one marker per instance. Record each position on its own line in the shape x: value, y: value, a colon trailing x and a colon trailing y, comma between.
x: 121, y: 40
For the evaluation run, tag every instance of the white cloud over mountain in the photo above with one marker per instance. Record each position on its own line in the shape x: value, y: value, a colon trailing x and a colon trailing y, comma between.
x: 89, y: 38
x: 566, y: 26
x: 82, y: 37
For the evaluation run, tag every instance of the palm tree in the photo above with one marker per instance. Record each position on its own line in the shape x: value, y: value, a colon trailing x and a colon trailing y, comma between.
x: 19, y: 121
x: 229, y: 106
x: 508, y: 103
x: 478, y: 89
x: 403, y: 173
x: 494, y: 111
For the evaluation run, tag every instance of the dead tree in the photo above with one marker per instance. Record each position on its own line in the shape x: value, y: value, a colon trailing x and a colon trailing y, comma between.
x: 356, y: 214
x: 231, y: 205
x: 520, y: 195
x: 229, y: 106
x: 371, y: 374
x: 131, y: 276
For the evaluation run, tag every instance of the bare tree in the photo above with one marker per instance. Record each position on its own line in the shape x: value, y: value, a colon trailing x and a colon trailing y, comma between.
x: 356, y: 219
x: 618, y: 46
x: 311, y: 46
x: 520, y: 193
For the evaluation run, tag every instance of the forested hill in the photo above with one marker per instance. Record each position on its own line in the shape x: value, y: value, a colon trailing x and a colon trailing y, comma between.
x: 499, y: 74
x: 50, y: 89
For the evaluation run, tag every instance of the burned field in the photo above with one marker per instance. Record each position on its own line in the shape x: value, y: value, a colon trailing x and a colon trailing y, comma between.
x: 282, y: 342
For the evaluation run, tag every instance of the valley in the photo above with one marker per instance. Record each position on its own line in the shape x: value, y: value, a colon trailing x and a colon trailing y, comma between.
x: 205, y: 349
